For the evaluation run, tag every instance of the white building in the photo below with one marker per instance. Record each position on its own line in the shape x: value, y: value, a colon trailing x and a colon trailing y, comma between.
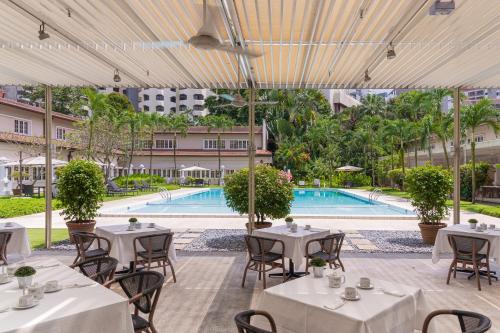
x: 164, y: 100
x: 339, y: 99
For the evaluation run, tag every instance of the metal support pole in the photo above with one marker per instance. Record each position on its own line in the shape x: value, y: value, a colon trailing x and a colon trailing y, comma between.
x: 251, y: 161
x: 48, y: 167
x: 456, y: 156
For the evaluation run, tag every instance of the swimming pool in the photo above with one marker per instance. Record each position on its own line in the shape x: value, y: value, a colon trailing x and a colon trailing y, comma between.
x: 307, y: 202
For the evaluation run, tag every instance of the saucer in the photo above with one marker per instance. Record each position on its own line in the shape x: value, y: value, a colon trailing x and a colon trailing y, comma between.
x: 357, y: 298
x: 18, y: 307
x: 9, y: 279
x: 371, y: 286
x: 49, y: 291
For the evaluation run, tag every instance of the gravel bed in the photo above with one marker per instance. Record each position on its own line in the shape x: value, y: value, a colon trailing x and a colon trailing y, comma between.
x: 397, y: 241
x: 219, y: 240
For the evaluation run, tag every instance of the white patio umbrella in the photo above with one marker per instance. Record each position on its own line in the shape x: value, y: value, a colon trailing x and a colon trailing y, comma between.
x: 349, y: 168
x: 194, y: 168
x: 37, y: 161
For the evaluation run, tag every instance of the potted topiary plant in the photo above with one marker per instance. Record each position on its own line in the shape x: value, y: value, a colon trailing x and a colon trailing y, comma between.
x: 472, y: 223
x: 273, y: 193
x: 318, y: 266
x: 289, y: 221
x: 81, y: 192
x: 24, y: 275
x: 429, y: 187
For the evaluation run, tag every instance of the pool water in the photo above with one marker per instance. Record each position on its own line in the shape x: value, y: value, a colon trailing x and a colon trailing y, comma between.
x: 309, y: 202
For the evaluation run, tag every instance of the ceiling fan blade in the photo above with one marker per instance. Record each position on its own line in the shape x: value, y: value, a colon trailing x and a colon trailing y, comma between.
x: 208, y: 27
x: 238, y: 50
x: 228, y: 97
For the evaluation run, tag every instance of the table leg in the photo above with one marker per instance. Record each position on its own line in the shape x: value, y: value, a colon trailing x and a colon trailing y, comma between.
x: 129, y: 269
x: 291, y: 273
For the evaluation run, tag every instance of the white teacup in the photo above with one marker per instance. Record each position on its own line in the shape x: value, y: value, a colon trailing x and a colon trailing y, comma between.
x: 492, y: 226
x: 138, y: 225
x: 51, y: 285
x: 37, y: 290
x: 4, y: 277
x: 335, y: 281
x: 307, y: 227
x: 364, y: 282
x: 25, y: 300
x: 8, y: 224
x: 350, y: 292
x: 151, y: 225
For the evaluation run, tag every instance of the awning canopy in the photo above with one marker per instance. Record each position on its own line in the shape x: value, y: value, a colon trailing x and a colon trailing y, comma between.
x: 36, y: 161
x: 305, y: 43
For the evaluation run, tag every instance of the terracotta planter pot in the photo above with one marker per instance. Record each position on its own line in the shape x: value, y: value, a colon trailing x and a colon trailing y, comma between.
x: 260, y: 225
x: 16, y: 191
x: 429, y: 231
x: 84, y: 226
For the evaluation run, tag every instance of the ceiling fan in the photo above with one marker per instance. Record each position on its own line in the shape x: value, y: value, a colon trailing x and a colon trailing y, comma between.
x: 206, y: 38
x: 239, y: 101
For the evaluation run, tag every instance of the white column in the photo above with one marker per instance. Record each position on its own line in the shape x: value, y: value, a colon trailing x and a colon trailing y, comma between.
x: 48, y: 166
x: 456, y: 157
x: 251, y: 160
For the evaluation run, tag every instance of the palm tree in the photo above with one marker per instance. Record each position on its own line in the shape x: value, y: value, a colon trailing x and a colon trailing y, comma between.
x: 95, y: 103
x: 154, y: 122
x: 473, y: 116
x: 442, y: 122
x: 177, y: 124
x: 426, y: 129
x: 400, y: 129
x: 220, y: 123
x: 373, y: 105
x: 136, y: 122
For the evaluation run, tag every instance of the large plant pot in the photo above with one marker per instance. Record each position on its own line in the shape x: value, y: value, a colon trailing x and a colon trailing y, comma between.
x: 429, y: 231
x: 84, y: 226
x: 16, y: 192
x: 260, y: 225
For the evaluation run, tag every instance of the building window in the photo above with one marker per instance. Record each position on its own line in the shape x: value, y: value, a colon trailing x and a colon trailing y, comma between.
x: 182, y: 107
x: 160, y: 97
x: 238, y: 144
x: 198, y: 97
x: 165, y: 144
x: 183, y: 97
x: 172, y: 89
x: 479, y: 138
x: 61, y: 133
x: 212, y: 144
x: 145, y: 108
x: 116, y: 89
x: 146, y: 144
x: 146, y: 97
x: 21, y: 127
x: 172, y: 109
x: 198, y: 107
x: 160, y: 108
x: 172, y: 99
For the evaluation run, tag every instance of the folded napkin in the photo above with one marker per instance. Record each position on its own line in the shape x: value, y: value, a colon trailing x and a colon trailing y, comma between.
x: 4, y: 308
x: 45, y: 266
x: 393, y: 293
x: 78, y: 285
x: 335, y: 305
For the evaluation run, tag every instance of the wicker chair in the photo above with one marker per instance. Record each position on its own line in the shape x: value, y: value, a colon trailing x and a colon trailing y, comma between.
x: 242, y: 320
x: 470, y: 322
x: 5, y: 237
x: 143, y: 290
x: 330, y: 247
x: 260, y: 256
x: 466, y: 251
x: 84, y: 241
x: 154, y: 250
x: 101, y: 269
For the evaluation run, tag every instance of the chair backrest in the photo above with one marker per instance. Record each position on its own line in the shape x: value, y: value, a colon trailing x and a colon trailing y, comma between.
x: 470, y: 322
x: 136, y: 184
x: 100, y: 269
x: 28, y: 189
x: 5, y: 237
x: 156, y: 242
x: 465, y: 245
x: 113, y: 185
x: 147, y: 284
x: 258, y: 246
x: 84, y: 240
x: 242, y: 320
x: 331, y: 244
x: 145, y: 183
x: 317, y: 182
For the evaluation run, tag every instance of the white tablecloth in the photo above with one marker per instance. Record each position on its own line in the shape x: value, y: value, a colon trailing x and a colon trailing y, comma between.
x: 19, y: 244
x: 295, y: 243
x: 122, y: 241
x: 442, y: 246
x: 92, y: 309
x: 298, y: 306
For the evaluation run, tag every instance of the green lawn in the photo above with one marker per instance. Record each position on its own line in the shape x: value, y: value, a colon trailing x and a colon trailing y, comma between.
x: 482, y: 208
x: 12, y: 207
x: 37, y: 236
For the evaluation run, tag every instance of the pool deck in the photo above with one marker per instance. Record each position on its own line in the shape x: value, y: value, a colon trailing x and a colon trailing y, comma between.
x: 238, y: 222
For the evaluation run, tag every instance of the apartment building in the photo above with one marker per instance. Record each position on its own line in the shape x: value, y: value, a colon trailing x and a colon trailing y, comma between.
x: 340, y: 99
x: 165, y: 100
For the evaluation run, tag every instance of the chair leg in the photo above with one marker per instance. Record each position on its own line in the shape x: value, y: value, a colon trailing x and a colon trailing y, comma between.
x: 264, y: 275
x: 452, y: 265
x: 341, y: 264
x: 245, y: 274
x: 307, y: 265
x: 478, y: 277
x: 172, y: 270
x: 283, y: 267
x: 164, y: 267
x: 488, y: 271
x: 259, y: 268
x: 455, y: 270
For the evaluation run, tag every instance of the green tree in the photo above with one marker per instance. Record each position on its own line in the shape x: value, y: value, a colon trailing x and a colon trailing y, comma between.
x: 64, y: 99
x: 177, y: 124
x: 473, y: 116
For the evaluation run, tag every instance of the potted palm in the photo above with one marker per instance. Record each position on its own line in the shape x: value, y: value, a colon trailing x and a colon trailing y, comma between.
x: 429, y: 187
x: 24, y: 275
x: 81, y: 192
x: 318, y: 266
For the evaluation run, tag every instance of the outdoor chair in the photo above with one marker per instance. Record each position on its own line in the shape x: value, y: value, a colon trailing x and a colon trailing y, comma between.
x: 143, y: 291
x: 467, y: 251
x: 260, y: 256
x: 302, y: 183
x: 115, y: 189
x: 28, y: 190
x: 470, y: 322
x: 137, y: 186
x: 148, y: 186
x: 199, y: 182
x: 329, y: 251
x: 101, y: 269
x: 317, y: 183
x: 5, y: 237
x: 154, y: 250
x: 84, y: 241
x: 242, y: 320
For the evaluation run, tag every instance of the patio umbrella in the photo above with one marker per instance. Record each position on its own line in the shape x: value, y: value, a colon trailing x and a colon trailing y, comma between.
x: 195, y: 168
x: 349, y: 168
x: 37, y: 161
